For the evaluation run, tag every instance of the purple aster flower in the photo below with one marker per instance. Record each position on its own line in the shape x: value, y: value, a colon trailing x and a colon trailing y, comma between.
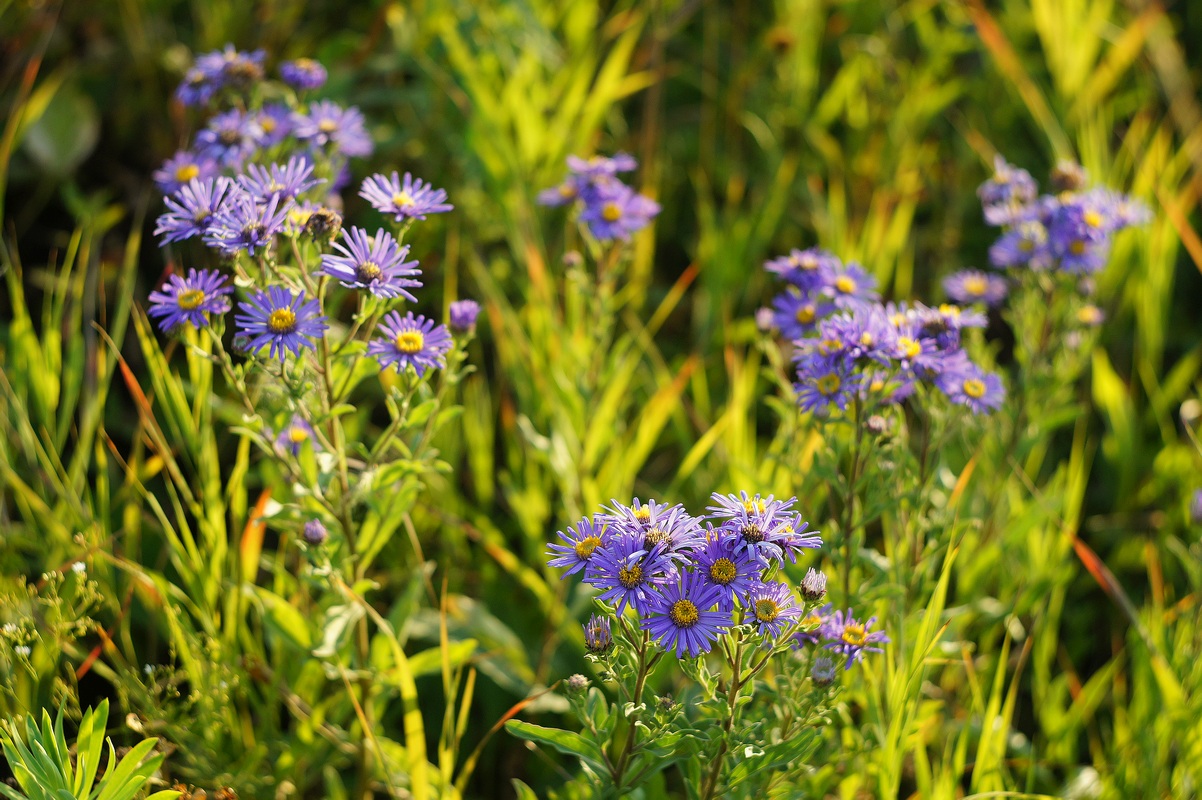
x: 408, y: 199
x: 292, y: 437
x: 808, y: 270
x: 1195, y: 507
x: 771, y: 607
x: 823, y: 671
x: 796, y: 314
x: 328, y: 124
x: 581, y: 542
x: 375, y: 263
x: 303, y: 73
x: 188, y: 300
x: 657, y: 524
x: 233, y: 67
x: 242, y: 224
x: 824, y: 383
x: 282, y: 181
x: 851, y: 286
x: 1024, y: 245
x: 617, y: 212
x: 733, y: 574
x: 760, y: 528
x: 598, y: 638
x: 282, y: 320
x: 865, y: 334
x: 198, y: 87
x: 846, y: 636
x: 181, y: 168
x: 966, y: 384
x: 973, y: 286
x: 463, y: 314
x: 1005, y: 194
x: 410, y: 341
x: 627, y: 573
x: 192, y: 208
x: 681, y: 619
x: 559, y: 195
x: 229, y: 138
x: 274, y: 120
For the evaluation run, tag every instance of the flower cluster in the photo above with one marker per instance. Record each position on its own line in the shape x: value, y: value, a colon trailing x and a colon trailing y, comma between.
x: 850, y: 347
x: 692, y: 579
x: 260, y: 175
x: 610, y: 208
x: 1068, y: 232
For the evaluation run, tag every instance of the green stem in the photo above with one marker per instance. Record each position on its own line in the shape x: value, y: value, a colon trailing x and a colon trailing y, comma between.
x: 732, y: 698
x: 849, y: 506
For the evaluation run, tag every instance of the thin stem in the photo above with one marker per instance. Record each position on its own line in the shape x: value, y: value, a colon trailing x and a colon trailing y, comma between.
x: 732, y: 698
x: 849, y: 505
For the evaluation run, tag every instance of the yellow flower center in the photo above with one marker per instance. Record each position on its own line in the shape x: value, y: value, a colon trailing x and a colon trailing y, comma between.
x: 643, y: 514
x: 299, y: 216
x: 766, y: 610
x: 845, y: 284
x: 282, y: 320
x: 812, y: 621
x: 567, y: 190
x: 974, y: 388
x: 297, y: 434
x: 654, y: 536
x: 805, y: 314
x: 684, y: 614
x: 409, y: 342
x: 367, y: 271
x: 1026, y: 245
x: 630, y: 577
x: 1092, y: 218
x: 327, y: 126
x: 1077, y: 247
x: 909, y: 348
x: 949, y: 311
x: 829, y: 384
x: 611, y: 212
x: 755, y: 506
x: 586, y: 546
x: 855, y: 635
x: 402, y: 199
x: 975, y: 285
x: 828, y: 346
x: 876, y: 385
x: 866, y: 339
x: 190, y: 299
x: 186, y: 172
x: 267, y: 123
x: 1089, y: 315
x: 723, y: 571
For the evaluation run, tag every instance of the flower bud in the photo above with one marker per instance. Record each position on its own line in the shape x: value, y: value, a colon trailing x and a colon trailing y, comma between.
x: 577, y: 683
x: 813, y: 585
x: 315, y: 533
x: 597, y: 636
x: 823, y: 671
x: 463, y: 314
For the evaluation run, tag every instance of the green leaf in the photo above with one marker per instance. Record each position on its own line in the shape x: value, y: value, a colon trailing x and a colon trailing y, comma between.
x: 428, y: 662
x: 566, y: 742
x: 65, y: 134
x: 283, y: 618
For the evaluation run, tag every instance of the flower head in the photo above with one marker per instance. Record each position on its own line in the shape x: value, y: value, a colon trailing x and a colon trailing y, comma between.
x: 189, y: 300
x: 410, y: 198
x: 966, y: 384
x: 314, y: 532
x: 191, y: 209
x: 809, y: 270
x: 181, y: 168
x: 848, y: 637
x: 410, y: 341
x: 681, y: 618
x: 851, y: 286
x: 274, y: 121
x: 229, y: 138
x: 303, y: 73
x: 244, y: 225
x: 597, y: 636
x: 375, y: 263
x: 282, y: 181
x: 618, y: 211
x: 970, y: 286
x: 825, y: 382
x: 733, y: 574
x: 628, y: 573
x: 329, y: 125
x: 293, y: 436
x: 580, y: 544
x: 281, y: 320
x: 771, y: 607
x: 463, y: 314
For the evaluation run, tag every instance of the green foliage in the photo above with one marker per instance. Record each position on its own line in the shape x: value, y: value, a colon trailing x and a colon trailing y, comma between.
x: 46, y: 769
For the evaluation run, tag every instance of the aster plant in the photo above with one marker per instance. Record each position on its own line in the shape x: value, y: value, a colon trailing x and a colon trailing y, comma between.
x: 321, y: 314
x: 712, y: 595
